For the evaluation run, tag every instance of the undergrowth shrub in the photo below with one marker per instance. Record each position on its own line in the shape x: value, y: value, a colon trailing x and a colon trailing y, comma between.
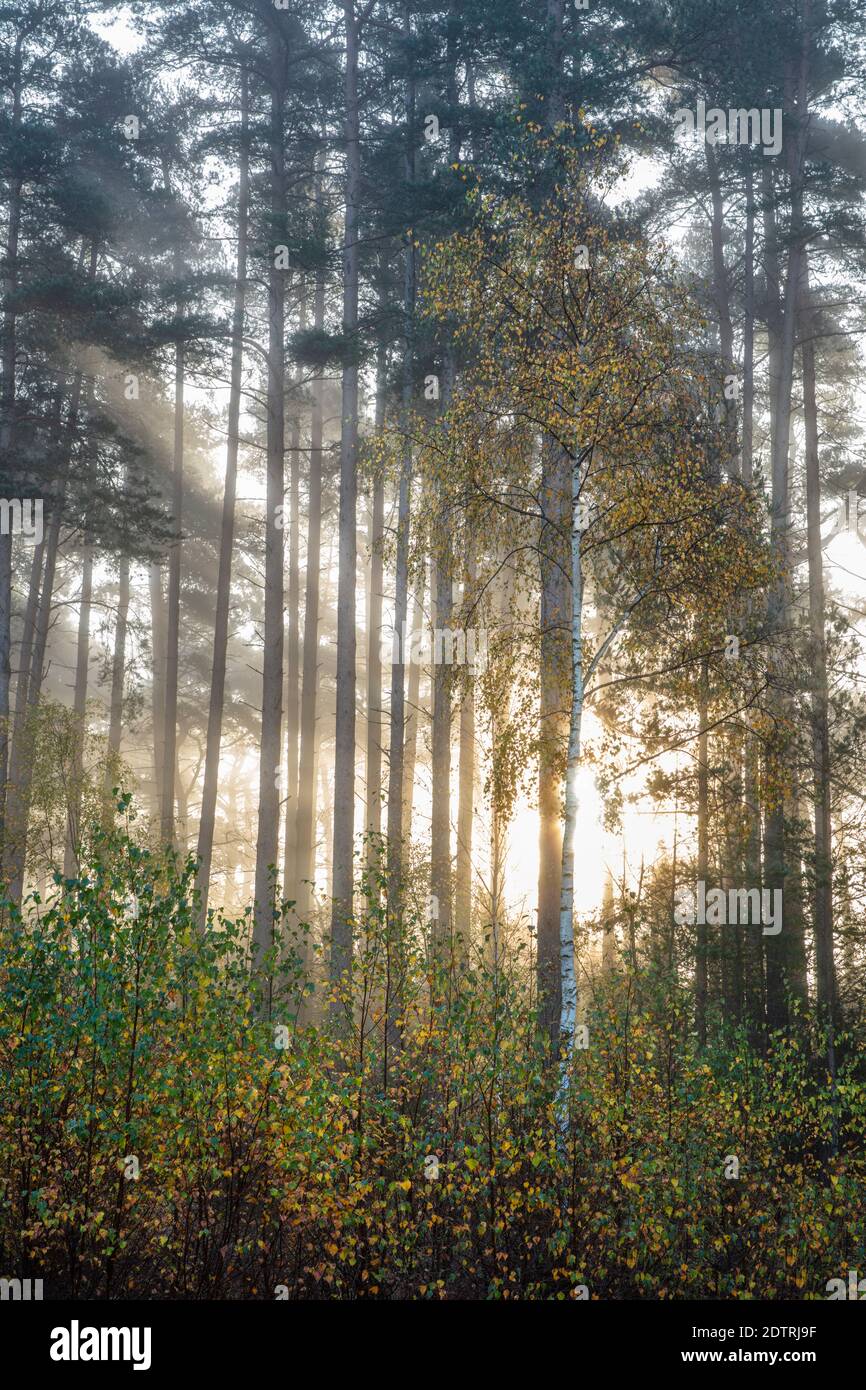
x: 170, y: 1129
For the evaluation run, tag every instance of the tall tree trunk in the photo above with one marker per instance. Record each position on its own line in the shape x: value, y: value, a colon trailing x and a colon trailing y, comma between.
x: 608, y: 925
x: 5, y: 670
x: 21, y: 762
x: 776, y: 602
x: 8, y: 354
x: 568, y: 976
x: 825, y: 963
x: 397, y: 826
x: 443, y: 676
x: 556, y: 606
x: 327, y: 810
x: 82, y: 663
x: 753, y: 955
x: 721, y: 295
x: 797, y: 977
x: 172, y: 646
x: 499, y: 713
x: 702, y: 934
x: 157, y: 627
x: 777, y: 946
x: 413, y: 715
x: 344, y: 751
x: 497, y: 877
x: 28, y: 637
x: 553, y: 726
x: 466, y: 787
x: 210, y: 788
x: 749, y: 331
x: 374, y: 622
x: 440, y: 819
x: 306, y: 827
x: 118, y: 670
x: 293, y: 644
x: 267, y: 838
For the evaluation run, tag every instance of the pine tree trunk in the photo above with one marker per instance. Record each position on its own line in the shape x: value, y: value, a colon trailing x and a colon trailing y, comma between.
x: 82, y: 663
x: 306, y: 814
x: 374, y: 625
x: 293, y: 642
x: 207, y: 820
x: 28, y: 636
x: 753, y: 954
x: 157, y: 626
x: 825, y: 965
x: 413, y: 714
x: 267, y: 838
x: 723, y: 302
x: 778, y: 946
x: 172, y: 645
x: 5, y: 670
x: 702, y: 934
x: 118, y: 669
x: 344, y: 751
x: 8, y: 355
x: 21, y: 761
x: 749, y: 332
x: 397, y: 825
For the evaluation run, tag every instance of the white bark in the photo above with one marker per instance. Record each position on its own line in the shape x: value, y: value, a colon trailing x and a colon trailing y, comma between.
x: 568, y: 979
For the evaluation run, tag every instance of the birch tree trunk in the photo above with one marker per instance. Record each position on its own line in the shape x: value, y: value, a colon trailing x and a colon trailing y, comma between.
x: 556, y: 485
x: 553, y: 727
x: 567, y: 975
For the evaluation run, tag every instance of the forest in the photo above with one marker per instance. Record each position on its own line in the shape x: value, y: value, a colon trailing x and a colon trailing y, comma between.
x: 432, y: 569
